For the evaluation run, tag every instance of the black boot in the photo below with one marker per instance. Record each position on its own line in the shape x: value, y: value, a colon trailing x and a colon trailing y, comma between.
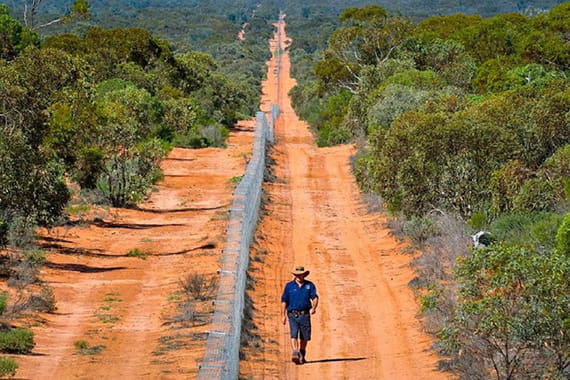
x: 303, y: 360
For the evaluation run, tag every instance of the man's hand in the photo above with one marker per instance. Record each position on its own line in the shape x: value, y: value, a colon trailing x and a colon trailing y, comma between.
x: 313, y: 310
x: 284, y: 319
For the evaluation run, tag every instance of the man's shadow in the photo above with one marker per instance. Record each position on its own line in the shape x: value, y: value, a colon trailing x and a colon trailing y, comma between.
x: 335, y: 360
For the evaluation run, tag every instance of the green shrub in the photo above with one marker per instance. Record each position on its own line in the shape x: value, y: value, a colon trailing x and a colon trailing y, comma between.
x: 537, y: 194
x: 21, y: 231
x: 3, y: 303
x: 84, y: 348
x: 89, y: 166
x: 81, y: 344
x: 478, y: 221
x: 135, y: 252
x: 8, y: 367
x: 536, y: 229
x: 35, y: 257
x: 429, y: 300
x: 17, y: 341
x: 563, y: 236
x: 419, y: 229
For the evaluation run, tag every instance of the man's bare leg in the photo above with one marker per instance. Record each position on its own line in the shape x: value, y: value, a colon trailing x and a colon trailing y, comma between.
x: 295, y: 346
x: 303, y: 349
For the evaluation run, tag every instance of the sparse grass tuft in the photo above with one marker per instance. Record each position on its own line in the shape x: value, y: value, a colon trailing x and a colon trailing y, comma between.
x: 136, y: 252
x: 236, y: 179
x: 8, y: 367
x: 84, y: 348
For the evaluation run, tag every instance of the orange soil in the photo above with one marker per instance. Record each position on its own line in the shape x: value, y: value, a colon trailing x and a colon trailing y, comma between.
x: 366, y: 326
x: 127, y: 303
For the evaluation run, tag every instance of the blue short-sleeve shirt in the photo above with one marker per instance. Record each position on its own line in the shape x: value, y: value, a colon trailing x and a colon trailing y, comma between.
x: 299, y: 297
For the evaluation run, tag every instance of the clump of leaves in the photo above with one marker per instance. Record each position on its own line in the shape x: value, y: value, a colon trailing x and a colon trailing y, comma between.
x: 136, y: 252
x: 8, y: 367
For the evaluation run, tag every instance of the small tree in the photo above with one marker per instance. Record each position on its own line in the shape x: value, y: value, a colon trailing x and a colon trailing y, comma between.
x: 514, y: 308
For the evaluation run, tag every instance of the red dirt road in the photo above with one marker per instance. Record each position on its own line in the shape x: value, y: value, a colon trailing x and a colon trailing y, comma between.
x: 366, y: 325
x: 127, y: 305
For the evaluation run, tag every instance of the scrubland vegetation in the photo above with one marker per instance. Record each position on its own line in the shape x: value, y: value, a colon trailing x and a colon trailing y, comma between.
x: 463, y: 124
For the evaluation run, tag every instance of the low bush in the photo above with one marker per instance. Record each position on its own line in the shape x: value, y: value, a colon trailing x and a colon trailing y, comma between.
x: 419, y: 229
x: 8, y: 367
x: 198, y: 286
x: 17, y: 341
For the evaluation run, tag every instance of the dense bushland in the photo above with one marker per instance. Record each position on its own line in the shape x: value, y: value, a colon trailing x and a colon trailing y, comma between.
x: 463, y: 124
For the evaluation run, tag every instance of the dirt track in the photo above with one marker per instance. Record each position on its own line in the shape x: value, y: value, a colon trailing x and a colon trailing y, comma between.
x: 366, y: 326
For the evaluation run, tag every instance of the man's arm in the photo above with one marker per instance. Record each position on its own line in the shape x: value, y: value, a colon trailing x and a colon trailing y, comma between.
x: 284, y: 312
x: 314, y: 304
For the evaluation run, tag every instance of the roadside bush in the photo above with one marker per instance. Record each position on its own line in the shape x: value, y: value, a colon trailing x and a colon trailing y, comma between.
x: 89, y: 166
x: 17, y: 341
x: 21, y: 231
x: 513, y: 309
x: 198, y: 286
x: 8, y: 367
x: 419, y: 229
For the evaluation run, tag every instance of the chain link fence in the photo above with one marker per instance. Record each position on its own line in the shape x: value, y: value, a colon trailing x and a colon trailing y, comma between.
x: 221, y: 359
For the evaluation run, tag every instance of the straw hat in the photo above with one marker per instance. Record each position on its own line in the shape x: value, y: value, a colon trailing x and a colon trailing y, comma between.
x: 300, y: 270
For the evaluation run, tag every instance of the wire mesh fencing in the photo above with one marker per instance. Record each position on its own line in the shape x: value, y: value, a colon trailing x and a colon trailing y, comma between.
x: 221, y: 358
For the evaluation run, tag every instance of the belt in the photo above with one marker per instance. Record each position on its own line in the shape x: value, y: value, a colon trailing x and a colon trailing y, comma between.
x: 296, y: 313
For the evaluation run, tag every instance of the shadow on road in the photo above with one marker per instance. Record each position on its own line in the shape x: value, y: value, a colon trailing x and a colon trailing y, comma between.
x: 335, y: 360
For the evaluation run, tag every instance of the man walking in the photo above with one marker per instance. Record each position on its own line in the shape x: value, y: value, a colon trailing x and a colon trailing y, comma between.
x: 298, y: 302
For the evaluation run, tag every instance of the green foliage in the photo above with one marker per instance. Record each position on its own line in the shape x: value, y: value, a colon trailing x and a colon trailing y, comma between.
x: 330, y: 129
x: 17, y: 341
x: 136, y: 252
x: 533, y: 229
x: 81, y: 8
x: 89, y: 166
x: 513, y: 306
x: 35, y: 257
x: 477, y: 221
x: 8, y: 367
x: 419, y: 229
x: 3, y: 303
x: 563, y: 237
x: 14, y: 37
x: 84, y: 348
x: 429, y: 300
x: 3, y: 233
x: 393, y: 101
x: 369, y: 13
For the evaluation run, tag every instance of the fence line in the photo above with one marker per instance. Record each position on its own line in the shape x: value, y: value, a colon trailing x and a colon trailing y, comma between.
x: 221, y: 359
